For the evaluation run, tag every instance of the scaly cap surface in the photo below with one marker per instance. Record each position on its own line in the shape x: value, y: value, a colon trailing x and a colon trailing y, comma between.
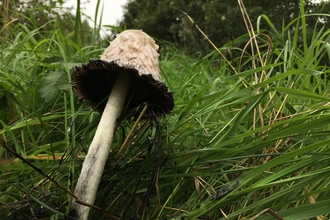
x: 134, y: 49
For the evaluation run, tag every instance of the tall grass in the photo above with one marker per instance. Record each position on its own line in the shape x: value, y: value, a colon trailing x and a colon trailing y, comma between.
x: 249, y: 143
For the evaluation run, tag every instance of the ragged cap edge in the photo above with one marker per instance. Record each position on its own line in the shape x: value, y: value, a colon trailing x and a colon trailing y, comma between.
x: 86, y: 84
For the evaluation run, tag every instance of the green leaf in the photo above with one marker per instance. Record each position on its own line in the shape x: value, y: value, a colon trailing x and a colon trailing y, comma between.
x: 52, y: 84
x: 300, y: 93
x: 303, y: 212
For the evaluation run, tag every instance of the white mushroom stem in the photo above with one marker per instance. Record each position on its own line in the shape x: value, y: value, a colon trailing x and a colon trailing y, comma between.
x: 98, y: 152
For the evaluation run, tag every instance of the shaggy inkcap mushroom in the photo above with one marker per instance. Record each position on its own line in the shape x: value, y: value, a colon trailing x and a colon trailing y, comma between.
x: 133, y: 53
x: 127, y: 74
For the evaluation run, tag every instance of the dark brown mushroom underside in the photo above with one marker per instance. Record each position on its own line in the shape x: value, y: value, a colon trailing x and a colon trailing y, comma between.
x: 93, y: 82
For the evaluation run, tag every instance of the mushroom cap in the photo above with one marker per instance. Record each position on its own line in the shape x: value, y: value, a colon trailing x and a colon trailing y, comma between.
x: 134, y: 49
x: 133, y: 53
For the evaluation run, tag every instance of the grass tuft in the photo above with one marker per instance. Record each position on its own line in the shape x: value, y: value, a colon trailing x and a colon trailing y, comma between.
x: 248, y: 138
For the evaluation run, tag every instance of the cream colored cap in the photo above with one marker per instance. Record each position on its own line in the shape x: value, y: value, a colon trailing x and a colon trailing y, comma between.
x: 134, y: 49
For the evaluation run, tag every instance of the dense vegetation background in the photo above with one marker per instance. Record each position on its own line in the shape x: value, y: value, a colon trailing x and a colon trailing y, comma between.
x: 221, y: 20
x: 248, y: 137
